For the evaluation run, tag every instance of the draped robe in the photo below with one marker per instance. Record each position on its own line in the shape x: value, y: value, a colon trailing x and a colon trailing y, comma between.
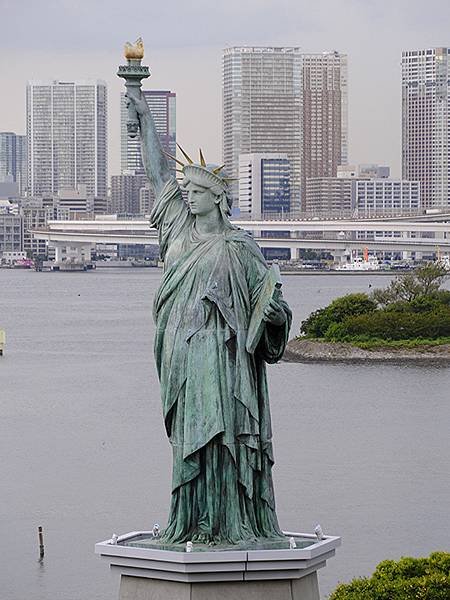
x: 214, y: 393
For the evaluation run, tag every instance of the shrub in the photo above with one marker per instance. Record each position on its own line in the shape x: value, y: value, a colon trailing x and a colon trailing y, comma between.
x: 406, y: 579
x: 393, y: 325
x: 318, y: 322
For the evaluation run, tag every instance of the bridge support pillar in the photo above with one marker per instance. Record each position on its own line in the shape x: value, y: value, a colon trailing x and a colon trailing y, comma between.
x: 58, y: 251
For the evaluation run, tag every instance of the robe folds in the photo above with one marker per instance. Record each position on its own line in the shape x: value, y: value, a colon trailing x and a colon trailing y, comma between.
x: 214, y: 393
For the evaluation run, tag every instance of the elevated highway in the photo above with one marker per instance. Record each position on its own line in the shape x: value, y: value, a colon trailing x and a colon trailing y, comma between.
x: 334, y: 235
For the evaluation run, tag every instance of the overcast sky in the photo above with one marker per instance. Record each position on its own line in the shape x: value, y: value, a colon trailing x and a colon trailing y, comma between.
x: 69, y: 39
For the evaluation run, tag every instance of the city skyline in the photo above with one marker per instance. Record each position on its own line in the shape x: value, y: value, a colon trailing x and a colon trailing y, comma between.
x: 373, y: 35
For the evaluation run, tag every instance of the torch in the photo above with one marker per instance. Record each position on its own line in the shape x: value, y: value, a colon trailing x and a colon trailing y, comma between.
x: 133, y: 73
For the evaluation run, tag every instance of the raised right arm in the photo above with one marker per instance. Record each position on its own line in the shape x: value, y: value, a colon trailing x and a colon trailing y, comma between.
x: 155, y: 161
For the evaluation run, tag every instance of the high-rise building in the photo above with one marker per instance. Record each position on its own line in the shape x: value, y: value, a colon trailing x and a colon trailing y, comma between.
x: 67, y: 137
x: 13, y: 159
x: 262, y: 107
x: 426, y: 123
x: 279, y: 100
x: 162, y: 104
x: 264, y: 185
x: 11, y: 232
x: 324, y: 115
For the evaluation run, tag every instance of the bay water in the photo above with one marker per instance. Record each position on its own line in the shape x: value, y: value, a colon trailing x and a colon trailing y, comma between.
x: 362, y: 449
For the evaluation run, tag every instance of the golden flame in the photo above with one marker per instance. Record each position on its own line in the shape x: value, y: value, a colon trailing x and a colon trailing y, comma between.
x: 135, y: 50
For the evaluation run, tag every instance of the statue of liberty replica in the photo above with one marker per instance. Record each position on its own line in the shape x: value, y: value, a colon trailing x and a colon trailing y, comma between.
x: 220, y: 318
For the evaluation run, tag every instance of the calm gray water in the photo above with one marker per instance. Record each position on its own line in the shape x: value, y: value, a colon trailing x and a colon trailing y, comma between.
x: 362, y: 449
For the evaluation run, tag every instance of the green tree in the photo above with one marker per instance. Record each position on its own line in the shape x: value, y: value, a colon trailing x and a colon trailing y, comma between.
x: 405, y: 579
x: 423, y: 281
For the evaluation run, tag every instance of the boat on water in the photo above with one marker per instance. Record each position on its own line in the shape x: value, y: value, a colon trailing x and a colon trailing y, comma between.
x: 359, y: 264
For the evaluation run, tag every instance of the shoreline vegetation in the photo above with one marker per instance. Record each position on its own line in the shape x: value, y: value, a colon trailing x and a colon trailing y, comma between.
x: 407, y: 320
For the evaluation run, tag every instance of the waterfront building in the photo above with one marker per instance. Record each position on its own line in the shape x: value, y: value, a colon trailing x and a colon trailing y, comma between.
x: 362, y: 196
x: 13, y: 160
x: 162, y: 104
x: 67, y: 137
x: 11, y: 232
x: 324, y: 115
x: 426, y: 123
x: 125, y: 193
x: 378, y: 196
x: 36, y: 212
x: 264, y: 185
x: 262, y: 108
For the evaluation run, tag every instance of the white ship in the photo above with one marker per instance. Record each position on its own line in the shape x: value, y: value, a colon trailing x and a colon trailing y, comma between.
x: 359, y: 264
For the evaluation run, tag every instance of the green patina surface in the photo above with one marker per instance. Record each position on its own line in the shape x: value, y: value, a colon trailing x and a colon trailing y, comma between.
x: 214, y: 393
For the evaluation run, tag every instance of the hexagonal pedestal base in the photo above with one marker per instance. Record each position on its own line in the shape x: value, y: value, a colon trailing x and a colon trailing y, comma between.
x: 264, y: 570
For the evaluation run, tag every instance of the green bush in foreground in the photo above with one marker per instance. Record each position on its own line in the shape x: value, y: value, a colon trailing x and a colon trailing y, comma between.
x: 405, y: 579
x: 318, y: 322
x: 392, y: 325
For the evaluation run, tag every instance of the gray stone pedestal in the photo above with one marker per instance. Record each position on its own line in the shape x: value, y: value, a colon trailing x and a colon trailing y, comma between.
x: 139, y: 588
x: 152, y: 571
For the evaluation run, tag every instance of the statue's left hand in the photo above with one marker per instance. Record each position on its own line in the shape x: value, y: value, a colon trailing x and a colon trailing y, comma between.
x: 274, y: 313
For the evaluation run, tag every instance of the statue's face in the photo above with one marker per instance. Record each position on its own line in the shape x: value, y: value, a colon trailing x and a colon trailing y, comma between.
x: 201, y: 200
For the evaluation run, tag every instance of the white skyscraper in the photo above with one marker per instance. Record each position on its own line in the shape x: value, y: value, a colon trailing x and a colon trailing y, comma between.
x: 67, y: 137
x: 279, y: 100
x: 425, y: 123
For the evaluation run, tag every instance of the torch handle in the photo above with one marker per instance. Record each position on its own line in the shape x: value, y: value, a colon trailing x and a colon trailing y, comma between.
x: 133, y: 88
x: 133, y: 73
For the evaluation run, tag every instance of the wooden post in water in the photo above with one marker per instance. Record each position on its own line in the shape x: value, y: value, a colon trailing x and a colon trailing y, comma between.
x: 41, y: 542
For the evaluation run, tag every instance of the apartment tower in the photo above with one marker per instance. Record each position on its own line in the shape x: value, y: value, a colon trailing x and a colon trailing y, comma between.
x: 425, y: 123
x: 324, y: 115
x: 67, y: 137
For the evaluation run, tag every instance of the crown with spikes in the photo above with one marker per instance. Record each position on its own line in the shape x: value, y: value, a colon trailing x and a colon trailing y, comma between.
x: 201, y: 174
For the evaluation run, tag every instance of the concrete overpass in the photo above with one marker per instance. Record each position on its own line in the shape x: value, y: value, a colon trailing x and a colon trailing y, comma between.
x: 347, y: 225
x: 78, y: 237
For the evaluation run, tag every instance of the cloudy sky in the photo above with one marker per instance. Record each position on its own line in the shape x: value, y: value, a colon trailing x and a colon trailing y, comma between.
x: 69, y: 39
